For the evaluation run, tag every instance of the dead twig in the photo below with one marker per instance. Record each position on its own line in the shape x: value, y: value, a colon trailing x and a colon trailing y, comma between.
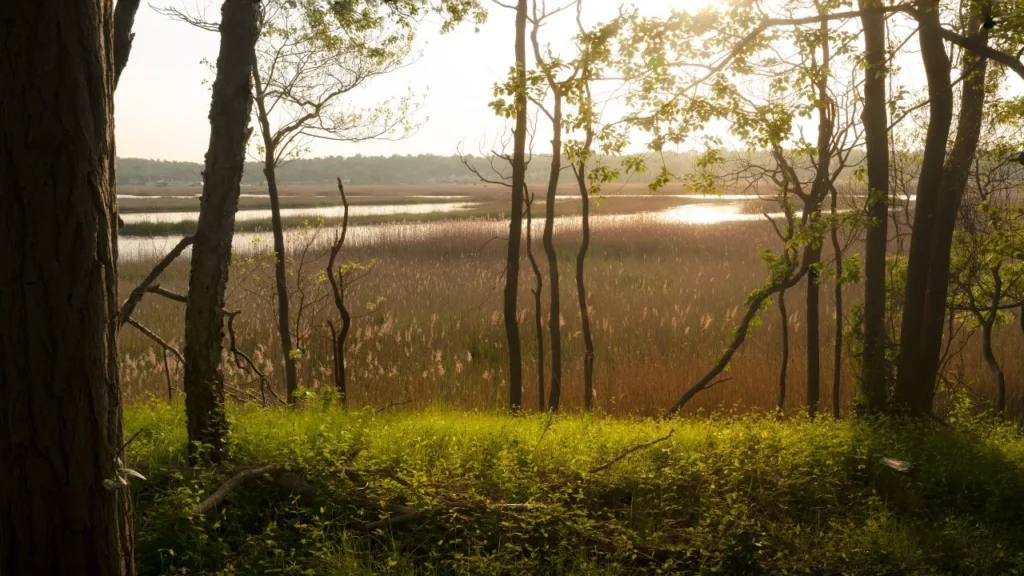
x: 160, y: 341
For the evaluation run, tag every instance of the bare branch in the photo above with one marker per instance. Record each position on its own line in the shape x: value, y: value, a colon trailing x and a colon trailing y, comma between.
x: 136, y: 295
x: 160, y: 341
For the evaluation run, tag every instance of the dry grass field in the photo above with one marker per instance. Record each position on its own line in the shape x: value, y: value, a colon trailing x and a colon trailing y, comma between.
x: 665, y: 298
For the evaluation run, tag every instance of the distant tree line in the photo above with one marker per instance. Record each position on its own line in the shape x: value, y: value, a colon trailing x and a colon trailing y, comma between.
x: 358, y: 169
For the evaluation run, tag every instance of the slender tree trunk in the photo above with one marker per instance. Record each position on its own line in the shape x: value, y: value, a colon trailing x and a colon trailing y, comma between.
x: 818, y: 191
x: 515, y: 227
x: 754, y: 303
x: 291, y: 378
x: 538, y: 294
x: 874, y: 370
x: 784, y: 317
x: 60, y: 398
x: 581, y: 287
x: 284, y: 332
x: 554, y: 301
x: 230, y: 109
x: 837, y: 353
x: 955, y: 175
x: 813, y: 335
x: 337, y: 281
x: 913, y: 389
x: 993, y: 365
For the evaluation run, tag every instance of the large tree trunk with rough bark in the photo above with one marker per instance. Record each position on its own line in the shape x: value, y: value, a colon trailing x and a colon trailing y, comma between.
x: 956, y: 172
x: 874, y: 370
x: 913, y: 389
x: 60, y: 398
x: 515, y: 227
x: 230, y: 110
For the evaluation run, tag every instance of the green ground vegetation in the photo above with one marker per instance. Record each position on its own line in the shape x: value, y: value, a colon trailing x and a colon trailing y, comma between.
x: 487, y: 493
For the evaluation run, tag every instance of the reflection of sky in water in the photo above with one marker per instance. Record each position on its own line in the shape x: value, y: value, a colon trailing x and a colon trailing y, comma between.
x: 708, y: 213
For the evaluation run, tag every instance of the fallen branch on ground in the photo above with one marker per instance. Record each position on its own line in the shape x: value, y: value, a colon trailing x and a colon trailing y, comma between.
x: 231, y: 485
x: 391, y: 405
x: 629, y: 451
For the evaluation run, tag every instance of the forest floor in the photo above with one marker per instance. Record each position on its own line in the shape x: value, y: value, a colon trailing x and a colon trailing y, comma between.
x: 441, y: 492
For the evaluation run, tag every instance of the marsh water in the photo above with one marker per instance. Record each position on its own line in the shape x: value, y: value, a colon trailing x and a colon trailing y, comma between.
x: 702, y: 211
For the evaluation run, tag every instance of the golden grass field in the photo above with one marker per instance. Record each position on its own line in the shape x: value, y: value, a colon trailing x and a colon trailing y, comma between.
x: 664, y: 299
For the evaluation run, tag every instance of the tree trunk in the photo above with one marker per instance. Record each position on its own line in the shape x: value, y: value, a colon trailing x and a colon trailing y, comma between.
x: 284, y: 332
x: 874, y: 370
x: 993, y: 366
x: 554, y: 302
x: 819, y: 189
x: 813, y: 335
x: 60, y: 398
x: 515, y: 227
x: 538, y: 311
x: 837, y: 353
x: 913, y: 389
x: 784, y: 316
x: 291, y: 379
x: 337, y: 281
x: 581, y: 287
x: 955, y: 175
x: 230, y: 109
x: 124, y: 20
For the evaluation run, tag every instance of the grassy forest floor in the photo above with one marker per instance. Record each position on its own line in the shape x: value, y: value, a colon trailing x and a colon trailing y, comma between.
x: 485, y: 493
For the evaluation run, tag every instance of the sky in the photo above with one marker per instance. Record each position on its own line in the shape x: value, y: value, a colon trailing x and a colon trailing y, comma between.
x: 163, y: 99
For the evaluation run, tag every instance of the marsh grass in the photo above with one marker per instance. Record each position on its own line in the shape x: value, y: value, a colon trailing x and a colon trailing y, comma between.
x: 723, y: 495
x: 664, y: 299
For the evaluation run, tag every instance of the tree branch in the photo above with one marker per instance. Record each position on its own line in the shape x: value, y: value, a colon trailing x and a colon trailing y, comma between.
x: 136, y: 295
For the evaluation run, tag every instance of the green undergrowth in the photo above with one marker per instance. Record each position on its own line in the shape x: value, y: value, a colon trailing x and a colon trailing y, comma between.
x: 527, y: 495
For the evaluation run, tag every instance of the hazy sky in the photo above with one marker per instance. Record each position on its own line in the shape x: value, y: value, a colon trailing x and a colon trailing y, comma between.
x: 163, y: 99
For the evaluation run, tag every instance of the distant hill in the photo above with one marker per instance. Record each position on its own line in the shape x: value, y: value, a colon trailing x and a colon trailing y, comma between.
x: 421, y: 169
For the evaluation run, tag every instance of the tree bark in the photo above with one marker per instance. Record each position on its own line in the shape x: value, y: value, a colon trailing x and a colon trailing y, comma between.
x: 813, y: 334
x: 913, y: 390
x: 554, y: 301
x: 874, y: 370
x: 60, y: 398
x: 837, y: 353
x: 955, y: 174
x: 784, y: 317
x: 812, y: 216
x: 230, y: 110
x: 280, y: 255
x: 124, y: 20
x: 581, y: 287
x: 515, y: 227
x: 538, y: 294
x: 337, y: 282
